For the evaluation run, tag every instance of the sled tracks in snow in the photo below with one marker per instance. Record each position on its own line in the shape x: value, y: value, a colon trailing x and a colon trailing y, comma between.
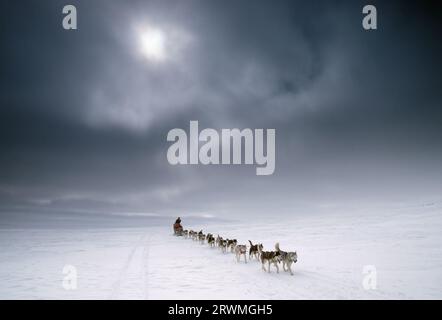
x: 131, y: 282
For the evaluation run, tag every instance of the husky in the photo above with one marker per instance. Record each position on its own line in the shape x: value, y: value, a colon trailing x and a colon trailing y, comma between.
x: 269, y: 257
x: 223, y: 245
x: 186, y: 233
x: 239, y: 250
x: 231, y: 244
x: 201, y: 238
x: 210, y: 240
x: 287, y: 258
x: 253, y: 251
x: 217, y: 241
x: 197, y: 235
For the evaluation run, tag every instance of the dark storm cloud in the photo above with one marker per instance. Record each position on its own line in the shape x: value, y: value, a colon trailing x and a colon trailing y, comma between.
x: 84, y: 117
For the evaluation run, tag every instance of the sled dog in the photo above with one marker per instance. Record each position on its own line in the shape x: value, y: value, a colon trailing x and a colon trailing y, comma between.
x: 287, y: 258
x: 218, y: 239
x: 211, y: 240
x: 253, y: 251
x: 231, y: 244
x: 269, y: 257
x: 241, y: 250
x: 223, y: 245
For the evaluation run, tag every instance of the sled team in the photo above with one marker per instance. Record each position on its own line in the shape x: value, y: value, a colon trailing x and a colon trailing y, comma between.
x: 255, y: 250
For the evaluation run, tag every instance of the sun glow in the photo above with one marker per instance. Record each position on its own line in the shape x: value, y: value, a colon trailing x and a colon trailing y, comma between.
x: 153, y: 44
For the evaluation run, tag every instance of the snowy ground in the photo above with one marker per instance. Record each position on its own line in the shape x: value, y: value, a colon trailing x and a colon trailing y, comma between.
x: 150, y: 263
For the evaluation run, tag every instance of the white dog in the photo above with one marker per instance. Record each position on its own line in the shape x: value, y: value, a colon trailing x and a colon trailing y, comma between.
x: 241, y: 249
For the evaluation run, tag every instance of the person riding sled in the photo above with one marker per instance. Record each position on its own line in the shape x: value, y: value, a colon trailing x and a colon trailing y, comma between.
x: 177, y: 227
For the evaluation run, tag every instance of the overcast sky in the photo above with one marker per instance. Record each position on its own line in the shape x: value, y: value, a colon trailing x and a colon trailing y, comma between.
x: 85, y: 114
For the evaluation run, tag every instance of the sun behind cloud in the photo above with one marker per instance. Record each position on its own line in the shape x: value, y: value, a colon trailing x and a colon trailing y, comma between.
x: 152, y: 44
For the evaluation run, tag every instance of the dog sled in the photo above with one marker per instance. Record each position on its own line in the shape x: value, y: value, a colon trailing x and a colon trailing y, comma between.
x: 177, y: 227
